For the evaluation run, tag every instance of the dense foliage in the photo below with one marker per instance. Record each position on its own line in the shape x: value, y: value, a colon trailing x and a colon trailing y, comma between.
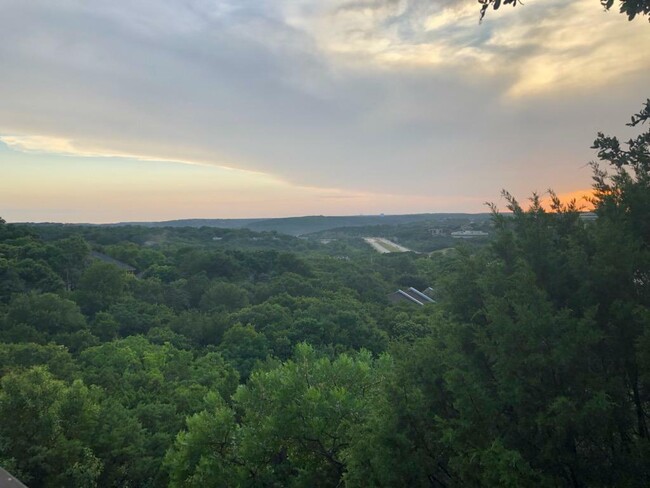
x: 281, y: 363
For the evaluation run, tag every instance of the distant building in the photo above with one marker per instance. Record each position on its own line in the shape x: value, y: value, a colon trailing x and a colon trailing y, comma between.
x: 437, y: 232
x: 468, y: 234
x: 107, y: 259
x: 430, y: 292
x: 411, y: 295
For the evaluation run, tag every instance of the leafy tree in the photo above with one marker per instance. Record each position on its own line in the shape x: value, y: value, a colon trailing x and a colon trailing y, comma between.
x: 243, y: 347
x: 338, y: 321
x: 15, y: 357
x: 272, y: 320
x: 10, y: 280
x: 631, y: 8
x: 164, y: 273
x: 202, y: 329
x: 37, y: 276
x: 623, y: 254
x: 70, y: 258
x: 45, y: 315
x: 216, y: 264
x: 100, y: 285
x: 291, y: 284
x: 137, y: 256
x: 120, y: 441
x: 195, y: 287
x: 46, y: 442
x: 138, y: 317
x: 296, y: 424
x: 142, y: 371
x: 104, y: 326
x: 223, y: 297
x: 155, y: 387
x: 202, y: 455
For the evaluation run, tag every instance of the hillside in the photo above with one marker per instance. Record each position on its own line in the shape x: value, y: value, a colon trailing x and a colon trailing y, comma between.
x: 309, y: 224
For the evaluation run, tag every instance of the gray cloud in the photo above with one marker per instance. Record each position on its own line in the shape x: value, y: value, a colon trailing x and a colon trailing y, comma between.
x: 239, y: 83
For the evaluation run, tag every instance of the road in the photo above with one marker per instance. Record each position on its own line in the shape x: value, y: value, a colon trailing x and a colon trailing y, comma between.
x: 383, y: 246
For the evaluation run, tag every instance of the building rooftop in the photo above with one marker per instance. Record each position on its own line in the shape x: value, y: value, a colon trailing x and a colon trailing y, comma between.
x: 410, y: 295
x: 107, y: 259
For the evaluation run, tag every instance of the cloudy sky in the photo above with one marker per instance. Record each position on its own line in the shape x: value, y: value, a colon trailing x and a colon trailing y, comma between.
x: 163, y: 109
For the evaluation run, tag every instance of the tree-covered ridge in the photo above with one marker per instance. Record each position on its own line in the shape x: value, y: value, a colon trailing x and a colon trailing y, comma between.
x: 219, y: 365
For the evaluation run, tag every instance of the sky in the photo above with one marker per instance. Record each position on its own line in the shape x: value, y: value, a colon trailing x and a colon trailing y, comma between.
x: 134, y: 110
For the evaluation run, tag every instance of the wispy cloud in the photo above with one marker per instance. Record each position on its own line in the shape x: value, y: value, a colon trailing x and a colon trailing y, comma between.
x: 47, y: 145
x: 42, y: 144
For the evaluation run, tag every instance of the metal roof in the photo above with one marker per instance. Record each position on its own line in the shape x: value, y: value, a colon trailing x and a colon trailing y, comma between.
x: 107, y: 259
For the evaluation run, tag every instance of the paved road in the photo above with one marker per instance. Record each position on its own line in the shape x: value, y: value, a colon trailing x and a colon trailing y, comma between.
x: 384, y: 246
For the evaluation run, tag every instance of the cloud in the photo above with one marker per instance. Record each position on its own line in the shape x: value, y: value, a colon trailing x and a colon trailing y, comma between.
x: 41, y: 144
x: 550, y: 47
x: 409, y: 98
x: 34, y: 144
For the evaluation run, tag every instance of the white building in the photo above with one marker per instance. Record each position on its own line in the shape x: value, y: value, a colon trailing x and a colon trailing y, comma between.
x: 468, y: 234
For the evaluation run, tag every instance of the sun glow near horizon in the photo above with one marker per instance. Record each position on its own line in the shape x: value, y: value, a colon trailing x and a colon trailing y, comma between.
x: 84, y: 188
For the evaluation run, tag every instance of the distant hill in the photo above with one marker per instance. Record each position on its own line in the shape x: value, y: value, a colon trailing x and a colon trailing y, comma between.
x: 222, y: 223
x: 305, y: 225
